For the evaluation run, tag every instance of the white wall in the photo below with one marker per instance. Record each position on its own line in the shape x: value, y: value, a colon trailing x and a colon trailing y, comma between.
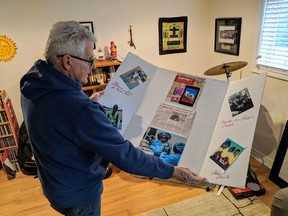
x: 273, y: 112
x: 28, y: 22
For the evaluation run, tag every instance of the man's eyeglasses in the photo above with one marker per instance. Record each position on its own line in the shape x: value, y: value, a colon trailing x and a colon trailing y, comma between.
x: 91, y: 61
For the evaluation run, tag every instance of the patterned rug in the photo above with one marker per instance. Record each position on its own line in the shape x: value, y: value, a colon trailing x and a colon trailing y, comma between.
x: 211, y: 204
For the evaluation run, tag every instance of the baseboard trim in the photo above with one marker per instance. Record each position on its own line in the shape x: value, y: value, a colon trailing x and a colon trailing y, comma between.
x: 261, y: 158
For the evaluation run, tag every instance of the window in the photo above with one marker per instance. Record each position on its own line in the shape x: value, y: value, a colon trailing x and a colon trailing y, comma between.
x: 273, y: 46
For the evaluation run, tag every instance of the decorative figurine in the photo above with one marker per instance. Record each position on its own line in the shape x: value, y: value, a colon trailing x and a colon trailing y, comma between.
x: 113, y: 50
x: 100, y: 54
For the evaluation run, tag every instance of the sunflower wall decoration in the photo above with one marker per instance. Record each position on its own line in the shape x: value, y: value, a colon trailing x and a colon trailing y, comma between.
x: 7, y: 49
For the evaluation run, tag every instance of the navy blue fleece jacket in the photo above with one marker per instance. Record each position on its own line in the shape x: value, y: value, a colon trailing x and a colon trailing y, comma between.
x: 72, y: 139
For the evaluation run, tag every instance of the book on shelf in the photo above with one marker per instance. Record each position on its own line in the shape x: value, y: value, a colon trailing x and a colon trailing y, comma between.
x: 12, y: 116
x: 3, y: 117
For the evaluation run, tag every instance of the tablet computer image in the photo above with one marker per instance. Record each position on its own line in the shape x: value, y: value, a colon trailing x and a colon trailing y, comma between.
x: 189, y: 95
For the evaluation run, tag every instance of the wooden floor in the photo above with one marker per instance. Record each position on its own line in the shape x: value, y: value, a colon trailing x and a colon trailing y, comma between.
x: 123, y: 194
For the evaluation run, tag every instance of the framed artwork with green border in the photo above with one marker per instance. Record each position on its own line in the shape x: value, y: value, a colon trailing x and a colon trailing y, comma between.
x: 172, y: 35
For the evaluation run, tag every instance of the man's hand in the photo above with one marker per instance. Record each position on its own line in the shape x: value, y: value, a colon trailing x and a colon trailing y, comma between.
x: 96, y: 95
x: 187, y: 176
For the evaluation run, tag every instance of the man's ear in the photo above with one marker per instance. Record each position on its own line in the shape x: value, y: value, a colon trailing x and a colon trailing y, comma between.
x: 66, y: 62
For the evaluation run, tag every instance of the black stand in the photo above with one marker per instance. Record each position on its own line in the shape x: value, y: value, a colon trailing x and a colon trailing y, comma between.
x: 228, y: 74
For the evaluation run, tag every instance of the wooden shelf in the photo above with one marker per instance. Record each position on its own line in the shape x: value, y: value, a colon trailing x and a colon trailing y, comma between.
x: 9, y: 147
x: 93, y: 87
x: 9, y: 129
x: 107, y: 63
x: 105, y: 68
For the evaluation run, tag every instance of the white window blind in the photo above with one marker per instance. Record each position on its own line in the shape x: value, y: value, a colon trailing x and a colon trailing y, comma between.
x: 273, y: 47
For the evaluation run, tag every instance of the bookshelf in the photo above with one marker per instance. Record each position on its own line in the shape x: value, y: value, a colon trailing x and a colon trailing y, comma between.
x: 102, y: 74
x: 9, y: 130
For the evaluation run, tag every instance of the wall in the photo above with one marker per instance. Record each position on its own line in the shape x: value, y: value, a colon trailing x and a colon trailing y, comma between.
x: 273, y: 113
x: 27, y: 23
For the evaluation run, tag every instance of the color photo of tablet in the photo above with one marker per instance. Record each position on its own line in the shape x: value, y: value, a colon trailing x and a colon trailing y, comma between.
x: 189, y: 95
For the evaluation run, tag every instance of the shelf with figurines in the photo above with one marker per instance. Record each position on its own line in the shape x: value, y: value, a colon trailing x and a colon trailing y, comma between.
x: 99, y: 77
x: 105, y: 69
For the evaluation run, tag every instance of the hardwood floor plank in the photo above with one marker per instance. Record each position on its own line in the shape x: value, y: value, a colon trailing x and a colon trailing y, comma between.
x: 124, y: 195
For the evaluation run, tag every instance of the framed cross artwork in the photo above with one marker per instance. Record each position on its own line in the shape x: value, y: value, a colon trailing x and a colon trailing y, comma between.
x: 172, y: 35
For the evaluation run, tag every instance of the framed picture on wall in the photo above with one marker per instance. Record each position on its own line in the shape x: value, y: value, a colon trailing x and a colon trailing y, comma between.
x: 89, y: 26
x: 279, y: 171
x: 227, y: 35
x: 172, y: 35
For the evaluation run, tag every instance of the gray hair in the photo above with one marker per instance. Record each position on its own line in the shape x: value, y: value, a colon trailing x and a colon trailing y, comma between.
x: 68, y: 37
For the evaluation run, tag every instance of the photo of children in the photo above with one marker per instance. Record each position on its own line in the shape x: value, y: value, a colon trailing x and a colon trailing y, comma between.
x: 165, y: 145
x: 227, y: 153
x: 240, y: 102
x: 134, y: 77
x: 114, y: 114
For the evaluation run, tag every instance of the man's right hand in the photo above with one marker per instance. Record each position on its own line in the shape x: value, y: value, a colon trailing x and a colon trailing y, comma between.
x: 96, y: 95
x: 185, y: 175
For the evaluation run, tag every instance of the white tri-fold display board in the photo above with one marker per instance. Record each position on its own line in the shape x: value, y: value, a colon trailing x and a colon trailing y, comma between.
x: 209, y: 124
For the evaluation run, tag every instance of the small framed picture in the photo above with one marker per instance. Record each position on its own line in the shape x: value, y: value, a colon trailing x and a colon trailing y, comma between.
x: 172, y: 35
x: 89, y: 26
x: 227, y: 35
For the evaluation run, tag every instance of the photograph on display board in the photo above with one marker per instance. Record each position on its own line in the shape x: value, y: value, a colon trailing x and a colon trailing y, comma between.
x: 178, y: 91
x: 163, y: 144
x: 227, y: 153
x: 240, y: 102
x: 115, y: 115
x: 174, y: 119
x: 185, y: 89
x: 134, y: 77
x: 189, y: 95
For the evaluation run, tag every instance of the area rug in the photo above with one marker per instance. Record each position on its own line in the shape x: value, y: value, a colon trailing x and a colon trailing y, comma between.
x: 211, y: 204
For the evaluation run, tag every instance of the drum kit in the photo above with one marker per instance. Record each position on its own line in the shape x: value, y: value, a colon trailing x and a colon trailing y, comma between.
x: 226, y: 68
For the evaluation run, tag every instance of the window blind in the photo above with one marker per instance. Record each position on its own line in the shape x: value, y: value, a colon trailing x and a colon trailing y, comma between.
x: 273, y: 46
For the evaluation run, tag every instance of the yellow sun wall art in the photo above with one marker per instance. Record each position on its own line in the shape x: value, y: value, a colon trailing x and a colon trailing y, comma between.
x: 7, y: 49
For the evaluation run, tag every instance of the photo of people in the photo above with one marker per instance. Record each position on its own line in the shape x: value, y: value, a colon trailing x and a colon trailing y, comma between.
x: 134, y: 77
x: 115, y: 115
x: 240, y: 102
x: 165, y: 145
x: 227, y: 34
x: 227, y: 153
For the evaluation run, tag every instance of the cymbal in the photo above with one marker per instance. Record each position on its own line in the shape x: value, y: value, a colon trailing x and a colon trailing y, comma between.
x: 225, y: 68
